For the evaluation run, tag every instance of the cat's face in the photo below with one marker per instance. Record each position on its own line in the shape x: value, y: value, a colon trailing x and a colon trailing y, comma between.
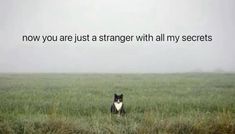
x: 118, y: 98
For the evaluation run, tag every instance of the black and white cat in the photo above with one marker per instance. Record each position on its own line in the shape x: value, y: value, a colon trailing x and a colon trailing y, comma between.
x: 118, y: 106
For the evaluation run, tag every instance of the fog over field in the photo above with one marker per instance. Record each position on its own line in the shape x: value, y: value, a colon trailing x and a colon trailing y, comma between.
x: 196, y: 17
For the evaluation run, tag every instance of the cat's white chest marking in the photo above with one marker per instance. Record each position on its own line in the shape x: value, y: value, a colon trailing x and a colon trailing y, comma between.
x: 118, y: 105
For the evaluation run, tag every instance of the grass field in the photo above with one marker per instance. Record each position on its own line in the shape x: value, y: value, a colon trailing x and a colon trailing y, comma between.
x: 80, y: 103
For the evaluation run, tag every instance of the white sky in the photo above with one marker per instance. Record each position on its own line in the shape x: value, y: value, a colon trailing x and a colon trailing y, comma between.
x: 20, y: 17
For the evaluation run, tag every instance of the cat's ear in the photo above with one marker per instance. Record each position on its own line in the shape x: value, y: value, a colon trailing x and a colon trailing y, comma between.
x: 121, y: 95
x: 115, y: 95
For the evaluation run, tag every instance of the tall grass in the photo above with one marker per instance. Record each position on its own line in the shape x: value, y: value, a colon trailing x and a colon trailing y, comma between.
x: 80, y: 103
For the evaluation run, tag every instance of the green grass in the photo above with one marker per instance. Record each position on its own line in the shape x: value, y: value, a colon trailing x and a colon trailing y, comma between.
x: 80, y: 103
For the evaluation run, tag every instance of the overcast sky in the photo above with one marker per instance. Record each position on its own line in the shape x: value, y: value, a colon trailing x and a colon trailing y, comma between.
x: 25, y: 17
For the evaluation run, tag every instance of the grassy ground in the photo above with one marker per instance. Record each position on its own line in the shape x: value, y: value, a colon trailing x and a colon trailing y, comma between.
x: 80, y: 103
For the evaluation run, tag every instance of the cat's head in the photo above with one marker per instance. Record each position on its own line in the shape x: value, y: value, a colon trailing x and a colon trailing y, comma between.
x: 118, y: 98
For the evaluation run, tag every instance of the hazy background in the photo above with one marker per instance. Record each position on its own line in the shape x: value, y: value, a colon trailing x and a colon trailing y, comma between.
x: 20, y: 17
